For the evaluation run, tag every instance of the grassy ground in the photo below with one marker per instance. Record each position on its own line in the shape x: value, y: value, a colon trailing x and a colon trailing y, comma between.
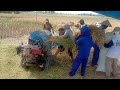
x: 10, y: 63
x: 10, y: 67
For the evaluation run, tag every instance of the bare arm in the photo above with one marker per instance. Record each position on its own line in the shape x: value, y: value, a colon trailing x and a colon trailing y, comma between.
x: 65, y: 34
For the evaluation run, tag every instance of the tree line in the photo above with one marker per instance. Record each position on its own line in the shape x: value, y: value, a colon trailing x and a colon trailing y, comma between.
x: 16, y: 12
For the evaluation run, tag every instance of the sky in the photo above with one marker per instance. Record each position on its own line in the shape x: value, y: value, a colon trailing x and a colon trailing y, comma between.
x: 77, y: 12
x: 113, y: 14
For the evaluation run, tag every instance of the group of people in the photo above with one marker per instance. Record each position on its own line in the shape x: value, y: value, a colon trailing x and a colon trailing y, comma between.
x: 107, y: 57
x: 104, y: 57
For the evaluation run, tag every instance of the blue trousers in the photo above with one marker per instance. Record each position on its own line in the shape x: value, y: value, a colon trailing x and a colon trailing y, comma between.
x: 76, y: 63
x: 95, y: 55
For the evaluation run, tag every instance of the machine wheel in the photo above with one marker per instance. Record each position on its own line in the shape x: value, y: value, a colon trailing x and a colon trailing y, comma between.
x: 23, y: 63
x: 47, y: 57
x: 48, y: 62
x: 42, y: 68
x: 18, y: 49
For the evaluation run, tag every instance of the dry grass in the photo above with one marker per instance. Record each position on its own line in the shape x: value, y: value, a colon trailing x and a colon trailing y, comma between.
x: 17, y: 25
x: 11, y: 69
x: 10, y: 62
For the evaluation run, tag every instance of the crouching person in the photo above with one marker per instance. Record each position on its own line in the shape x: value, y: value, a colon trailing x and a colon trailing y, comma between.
x: 84, y: 42
x: 66, y: 33
x: 113, y: 56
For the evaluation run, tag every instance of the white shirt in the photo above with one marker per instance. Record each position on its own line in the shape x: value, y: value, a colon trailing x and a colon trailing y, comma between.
x: 83, y: 25
x: 114, y: 51
x: 98, y: 24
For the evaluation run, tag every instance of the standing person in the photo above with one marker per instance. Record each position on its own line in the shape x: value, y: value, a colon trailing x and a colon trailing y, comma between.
x: 95, y: 46
x: 84, y: 42
x: 95, y: 54
x: 67, y: 34
x: 96, y: 50
x: 103, y: 25
x: 82, y: 23
x: 48, y: 26
x: 113, y: 55
x: 103, y: 50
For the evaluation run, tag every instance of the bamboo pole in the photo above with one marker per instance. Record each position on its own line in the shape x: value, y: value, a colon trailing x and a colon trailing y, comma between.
x: 36, y: 22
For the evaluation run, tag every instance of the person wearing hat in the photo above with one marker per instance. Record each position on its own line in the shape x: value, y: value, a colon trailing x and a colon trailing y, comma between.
x: 48, y: 26
x: 113, y: 55
x: 103, y: 25
x: 100, y: 52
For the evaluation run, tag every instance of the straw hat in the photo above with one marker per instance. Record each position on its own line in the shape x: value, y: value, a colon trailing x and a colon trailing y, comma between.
x: 116, y: 29
x: 107, y: 23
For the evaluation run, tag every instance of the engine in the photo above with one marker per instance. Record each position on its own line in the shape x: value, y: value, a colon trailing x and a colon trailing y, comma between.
x: 36, y: 52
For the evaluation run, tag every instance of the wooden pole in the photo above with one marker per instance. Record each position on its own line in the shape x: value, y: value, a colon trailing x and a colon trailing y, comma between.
x: 36, y: 21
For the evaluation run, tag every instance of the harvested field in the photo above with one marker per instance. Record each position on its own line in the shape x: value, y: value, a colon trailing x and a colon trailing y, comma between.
x: 15, y: 28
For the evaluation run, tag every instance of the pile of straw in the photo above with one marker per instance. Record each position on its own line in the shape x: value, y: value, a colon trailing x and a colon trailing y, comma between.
x: 97, y: 35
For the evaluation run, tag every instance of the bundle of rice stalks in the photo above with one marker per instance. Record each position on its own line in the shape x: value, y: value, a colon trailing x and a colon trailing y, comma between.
x: 51, y: 39
x: 97, y: 35
x: 77, y: 26
x: 57, y: 41
x: 66, y: 42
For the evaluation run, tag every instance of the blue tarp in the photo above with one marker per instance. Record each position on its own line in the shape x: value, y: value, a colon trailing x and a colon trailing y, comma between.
x: 39, y: 36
